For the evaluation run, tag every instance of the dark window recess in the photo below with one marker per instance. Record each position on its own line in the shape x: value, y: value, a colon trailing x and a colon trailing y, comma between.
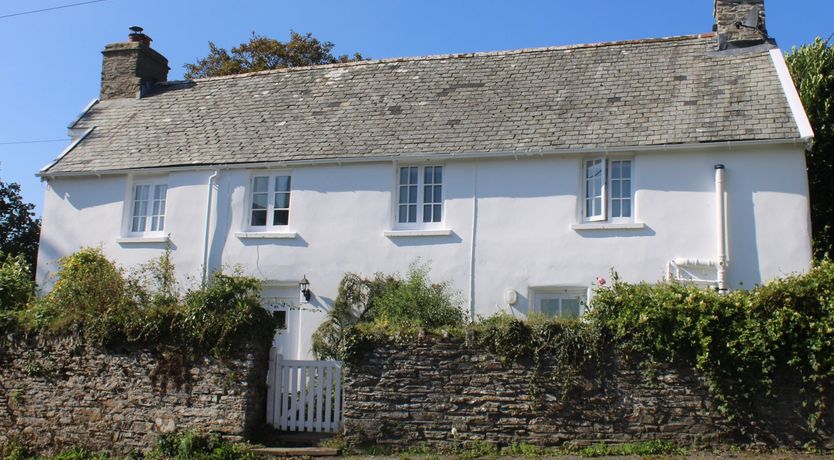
x: 281, y: 316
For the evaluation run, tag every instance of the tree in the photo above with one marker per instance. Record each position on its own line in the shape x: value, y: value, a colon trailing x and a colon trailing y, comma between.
x: 19, y: 229
x: 812, y: 68
x: 263, y: 53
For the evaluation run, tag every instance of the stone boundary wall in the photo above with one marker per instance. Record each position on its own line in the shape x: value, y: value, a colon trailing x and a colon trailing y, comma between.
x: 56, y: 393
x: 444, y: 393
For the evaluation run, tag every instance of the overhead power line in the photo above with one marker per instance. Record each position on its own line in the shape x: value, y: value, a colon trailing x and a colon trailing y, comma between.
x: 50, y: 9
x: 33, y: 142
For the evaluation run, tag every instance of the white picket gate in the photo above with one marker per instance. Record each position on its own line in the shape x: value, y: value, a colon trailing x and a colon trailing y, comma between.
x: 304, y: 395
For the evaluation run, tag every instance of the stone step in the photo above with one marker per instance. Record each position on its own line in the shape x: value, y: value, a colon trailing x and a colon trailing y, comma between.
x: 297, y: 451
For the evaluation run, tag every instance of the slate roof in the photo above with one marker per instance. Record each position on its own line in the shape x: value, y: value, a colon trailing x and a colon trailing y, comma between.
x: 638, y: 93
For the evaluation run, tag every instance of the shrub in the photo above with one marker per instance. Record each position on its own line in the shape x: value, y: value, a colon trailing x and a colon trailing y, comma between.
x: 88, y: 285
x: 387, y: 302
x: 742, y: 341
x: 17, y: 287
x: 93, y: 296
x: 186, y: 445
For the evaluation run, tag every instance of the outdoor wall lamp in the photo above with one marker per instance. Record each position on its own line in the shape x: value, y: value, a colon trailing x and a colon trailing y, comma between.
x: 304, y: 286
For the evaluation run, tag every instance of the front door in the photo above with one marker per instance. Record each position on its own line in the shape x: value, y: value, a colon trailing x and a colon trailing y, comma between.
x: 283, y: 301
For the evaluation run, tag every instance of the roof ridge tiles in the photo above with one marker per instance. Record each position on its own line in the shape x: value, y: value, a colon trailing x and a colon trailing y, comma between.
x: 436, y: 57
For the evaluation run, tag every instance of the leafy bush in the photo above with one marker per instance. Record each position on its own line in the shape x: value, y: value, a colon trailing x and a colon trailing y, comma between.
x: 89, y: 287
x: 741, y: 341
x: 17, y: 287
x: 94, y: 296
x: 387, y: 302
x: 187, y: 445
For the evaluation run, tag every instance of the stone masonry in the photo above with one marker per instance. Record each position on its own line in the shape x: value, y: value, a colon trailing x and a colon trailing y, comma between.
x: 444, y: 393
x: 729, y: 12
x: 57, y: 393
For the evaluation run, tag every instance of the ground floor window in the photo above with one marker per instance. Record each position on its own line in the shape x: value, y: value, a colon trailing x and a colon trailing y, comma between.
x: 560, y: 302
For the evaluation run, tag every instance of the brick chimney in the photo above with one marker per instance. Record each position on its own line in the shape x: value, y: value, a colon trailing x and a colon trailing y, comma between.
x: 731, y: 22
x: 129, y: 69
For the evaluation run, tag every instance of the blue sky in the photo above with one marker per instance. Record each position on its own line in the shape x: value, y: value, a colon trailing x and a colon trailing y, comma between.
x: 53, y: 62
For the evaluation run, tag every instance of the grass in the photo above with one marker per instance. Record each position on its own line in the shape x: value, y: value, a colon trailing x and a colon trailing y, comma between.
x: 482, y: 449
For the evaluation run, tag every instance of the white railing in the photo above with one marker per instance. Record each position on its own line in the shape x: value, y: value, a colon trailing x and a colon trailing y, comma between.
x: 304, y: 395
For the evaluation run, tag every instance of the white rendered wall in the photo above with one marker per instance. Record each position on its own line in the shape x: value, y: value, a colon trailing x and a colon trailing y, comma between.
x: 524, y: 239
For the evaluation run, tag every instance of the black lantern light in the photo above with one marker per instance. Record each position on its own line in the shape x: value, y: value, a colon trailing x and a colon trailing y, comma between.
x: 304, y: 286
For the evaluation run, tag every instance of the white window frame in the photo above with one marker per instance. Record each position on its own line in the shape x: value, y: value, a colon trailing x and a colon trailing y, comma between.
x: 605, y: 213
x: 552, y: 292
x: 152, y: 183
x: 421, y: 202
x: 271, y: 176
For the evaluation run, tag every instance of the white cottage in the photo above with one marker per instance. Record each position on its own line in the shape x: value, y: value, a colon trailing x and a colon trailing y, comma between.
x: 522, y: 176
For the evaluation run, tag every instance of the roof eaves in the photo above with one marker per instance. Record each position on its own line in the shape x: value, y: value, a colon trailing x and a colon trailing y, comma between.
x: 517, y: 154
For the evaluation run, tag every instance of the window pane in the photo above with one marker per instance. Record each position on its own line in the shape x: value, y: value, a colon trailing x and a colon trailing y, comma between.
x: 412, y: 213
x: 570, y: 308
x: 138, y: 224
x: 161, y: 224
x: 282, y: 200
x: 427, y: 213
x: 427, y: 195
x: 616, y: 185
x: 154, y: 223
x: 412, y: 175
x: 282, y: 183
x: 259, y: 201
x: 258, y: 218
x: 159, y: 192
x: 403, y: 176
x: 549, y: 307
x: 626, y: 170
x: 428, y: 175
x: 412, y: 194
x: 615, y: 169
x: 438, y: 174
x: 615, y: 208
x: 437, y: 211
x: 626, y: 208
x: 403, y: 195
x: 437, y: 193
x: 403, y: 214
x: 261, y: 185
x: 626, y: 184
x: 594, y: 168
x: 597, y: 206
x: 280, y: 217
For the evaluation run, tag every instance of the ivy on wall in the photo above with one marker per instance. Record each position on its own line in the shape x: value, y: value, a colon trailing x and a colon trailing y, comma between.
x: 746, y: 343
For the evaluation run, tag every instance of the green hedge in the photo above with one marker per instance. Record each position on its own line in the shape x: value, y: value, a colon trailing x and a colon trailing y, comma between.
x: 745, y: 342
x: 94, y: 297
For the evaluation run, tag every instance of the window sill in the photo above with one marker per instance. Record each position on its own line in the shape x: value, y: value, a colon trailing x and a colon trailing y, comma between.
x: 143, y: 239
x: 608, y: 226
x: 405, y: 233
x: 266, y: 235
